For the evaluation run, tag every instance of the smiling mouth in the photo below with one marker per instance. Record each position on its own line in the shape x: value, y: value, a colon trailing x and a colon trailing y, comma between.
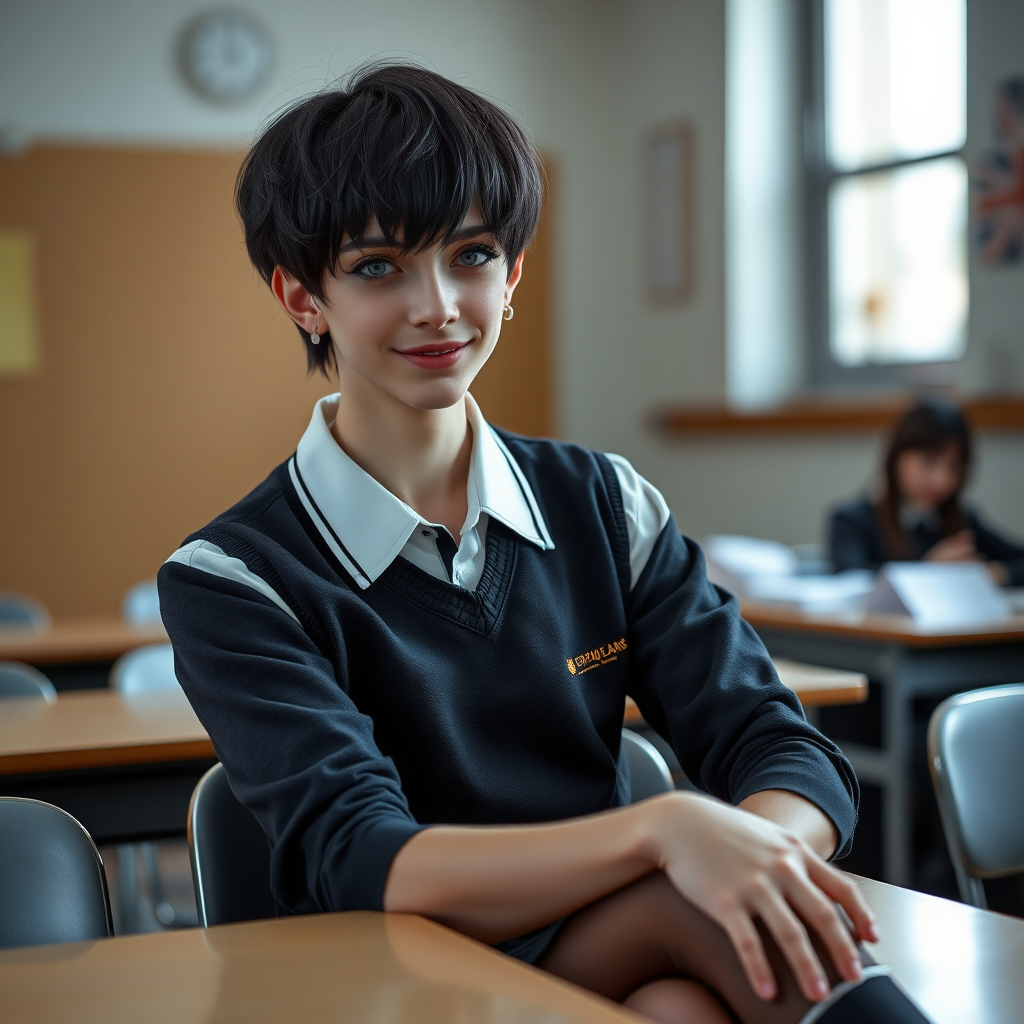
x: 437, y: 356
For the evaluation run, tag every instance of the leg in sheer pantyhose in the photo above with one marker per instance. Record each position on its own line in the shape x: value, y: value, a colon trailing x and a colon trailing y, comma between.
x: 646, y: 932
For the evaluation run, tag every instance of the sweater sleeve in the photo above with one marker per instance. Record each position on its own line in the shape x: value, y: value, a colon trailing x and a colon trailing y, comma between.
x: 704, y: 681
x: 996, y: 548
x: 296, y: 750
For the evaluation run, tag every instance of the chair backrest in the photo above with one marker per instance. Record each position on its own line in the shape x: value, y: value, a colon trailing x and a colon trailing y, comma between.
x: 648, y: 772
x: 18, y: 680
x: 141, y: 605
x: 18, y: 610
x: 229, y: 853
x: 144, y: 670
x: 976, y: 756
x: 52, y: 884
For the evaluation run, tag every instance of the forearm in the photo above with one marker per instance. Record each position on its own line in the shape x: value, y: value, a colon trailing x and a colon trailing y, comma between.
x: 497, y: 882
x: 798, y: 815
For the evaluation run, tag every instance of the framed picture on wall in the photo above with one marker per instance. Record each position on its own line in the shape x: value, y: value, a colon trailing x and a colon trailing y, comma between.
x: 668, y: 213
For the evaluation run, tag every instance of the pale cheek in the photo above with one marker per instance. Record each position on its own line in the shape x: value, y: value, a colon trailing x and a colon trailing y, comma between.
x: 367, y: 326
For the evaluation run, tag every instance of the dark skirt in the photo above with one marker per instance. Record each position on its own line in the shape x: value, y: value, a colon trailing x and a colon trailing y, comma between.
x: 533, y: 945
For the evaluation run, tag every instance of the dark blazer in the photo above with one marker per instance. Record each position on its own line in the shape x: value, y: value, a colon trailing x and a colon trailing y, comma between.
x: 855, y: 540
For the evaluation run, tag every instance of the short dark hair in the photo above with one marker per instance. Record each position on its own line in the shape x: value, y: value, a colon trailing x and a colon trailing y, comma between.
x: 396, y: 143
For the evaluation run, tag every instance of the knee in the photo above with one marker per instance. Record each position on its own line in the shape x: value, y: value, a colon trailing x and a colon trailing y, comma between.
x: 677, y: 1001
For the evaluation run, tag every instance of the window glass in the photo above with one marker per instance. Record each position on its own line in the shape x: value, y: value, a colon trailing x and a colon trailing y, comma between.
x: 898, y: 264
x: 895, y: 79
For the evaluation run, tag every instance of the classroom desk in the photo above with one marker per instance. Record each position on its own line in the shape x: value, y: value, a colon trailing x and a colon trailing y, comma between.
x: 904, y: 662
x: 125, y: 767
x: 960, y: 964
x: 77, y: 653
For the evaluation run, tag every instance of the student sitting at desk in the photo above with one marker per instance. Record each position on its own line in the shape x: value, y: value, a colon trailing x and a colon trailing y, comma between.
x: 919, y: 514
x: 411, y: 645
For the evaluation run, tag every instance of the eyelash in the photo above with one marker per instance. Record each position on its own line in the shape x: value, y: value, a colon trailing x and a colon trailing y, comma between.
x: 357, y: 270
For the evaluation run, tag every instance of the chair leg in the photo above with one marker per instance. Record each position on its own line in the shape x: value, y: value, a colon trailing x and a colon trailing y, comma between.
x: 127, y: 890
x: 163, y: 911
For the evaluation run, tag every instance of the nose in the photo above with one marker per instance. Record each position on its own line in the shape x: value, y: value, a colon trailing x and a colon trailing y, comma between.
x: 435, y: 302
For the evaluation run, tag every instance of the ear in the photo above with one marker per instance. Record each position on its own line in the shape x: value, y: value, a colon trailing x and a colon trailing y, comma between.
x: 297, y: 301
x: 513, y: 278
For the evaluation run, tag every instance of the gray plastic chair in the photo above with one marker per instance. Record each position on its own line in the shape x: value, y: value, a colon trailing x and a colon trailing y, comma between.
x: 976, y: 756
x: 649, y: 773
x: 19, y: 680
x: 146, y: 669
x: 229, y: 853
x: 141, y: 605
x: 52, y: 885
x: 24, y: 612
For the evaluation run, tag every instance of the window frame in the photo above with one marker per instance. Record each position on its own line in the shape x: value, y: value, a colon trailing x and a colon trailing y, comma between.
x: 819, y: 176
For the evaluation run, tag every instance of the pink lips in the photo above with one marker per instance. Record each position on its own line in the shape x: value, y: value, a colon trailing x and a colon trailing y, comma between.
x: 438, y: 356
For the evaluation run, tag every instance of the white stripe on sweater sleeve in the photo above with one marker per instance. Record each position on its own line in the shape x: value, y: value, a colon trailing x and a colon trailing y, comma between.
x: 207, y: 557
x: 646, y: 514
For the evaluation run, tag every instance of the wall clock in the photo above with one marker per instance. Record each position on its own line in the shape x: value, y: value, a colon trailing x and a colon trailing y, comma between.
x: 226, y: 55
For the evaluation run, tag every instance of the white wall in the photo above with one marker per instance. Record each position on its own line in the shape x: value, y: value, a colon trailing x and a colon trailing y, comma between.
x: 590, y: 77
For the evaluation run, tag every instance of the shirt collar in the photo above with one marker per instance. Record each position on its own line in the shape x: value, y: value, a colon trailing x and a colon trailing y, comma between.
x: 366, y: 526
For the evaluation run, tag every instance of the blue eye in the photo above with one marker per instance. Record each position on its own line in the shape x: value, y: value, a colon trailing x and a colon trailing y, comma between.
x: 375, y: 268
x: 475, y: 257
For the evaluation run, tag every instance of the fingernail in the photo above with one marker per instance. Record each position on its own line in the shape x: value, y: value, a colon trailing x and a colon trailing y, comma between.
x: 873, y: 932
x: 766, y: 990
x: 820, y: 989
x: 855, y: 969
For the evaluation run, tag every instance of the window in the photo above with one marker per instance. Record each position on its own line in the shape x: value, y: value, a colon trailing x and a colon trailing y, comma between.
x: 887, y: 188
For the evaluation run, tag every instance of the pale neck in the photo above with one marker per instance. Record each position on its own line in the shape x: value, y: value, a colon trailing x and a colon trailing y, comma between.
x: 420, y: 455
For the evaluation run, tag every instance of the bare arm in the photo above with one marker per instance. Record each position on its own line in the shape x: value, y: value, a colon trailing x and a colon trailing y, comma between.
x: 798, y: 815
x: 497, y: 882
x: 494, y: 883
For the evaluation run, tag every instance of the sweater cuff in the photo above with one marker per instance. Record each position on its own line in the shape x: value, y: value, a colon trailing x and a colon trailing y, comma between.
x: 358, y: 881
x: 819, y: 783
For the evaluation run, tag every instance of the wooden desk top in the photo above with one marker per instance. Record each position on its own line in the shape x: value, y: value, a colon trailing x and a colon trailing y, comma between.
x: 360, y: 967
x: 101, y: 639
x: 893, y: 628
x: 98, y: 729
x: 959, y: 964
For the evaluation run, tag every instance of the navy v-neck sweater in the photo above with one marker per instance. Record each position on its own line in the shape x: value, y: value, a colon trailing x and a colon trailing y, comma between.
x: 374, y: 713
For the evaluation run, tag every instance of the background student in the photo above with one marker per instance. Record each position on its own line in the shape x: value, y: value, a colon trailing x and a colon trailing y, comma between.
x: 919, y: 514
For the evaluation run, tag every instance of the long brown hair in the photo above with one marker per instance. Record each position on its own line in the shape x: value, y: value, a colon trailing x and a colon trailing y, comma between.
x: 931, y: 425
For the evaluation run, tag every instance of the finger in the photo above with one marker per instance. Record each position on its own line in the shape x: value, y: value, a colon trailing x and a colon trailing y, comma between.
x: 792, y: 939
x: 750, y: 950
x: 823, y: 916
x: 840, y: 888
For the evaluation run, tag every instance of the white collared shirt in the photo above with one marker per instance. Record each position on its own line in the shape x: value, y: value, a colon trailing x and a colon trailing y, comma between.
x: 367, y: 527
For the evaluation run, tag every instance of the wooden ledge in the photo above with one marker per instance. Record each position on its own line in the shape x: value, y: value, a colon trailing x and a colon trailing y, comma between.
x: 1006, y: 413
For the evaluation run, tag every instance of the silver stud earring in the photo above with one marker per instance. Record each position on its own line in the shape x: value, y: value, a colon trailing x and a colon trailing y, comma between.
x: 315, y: 336
x: 509, y: 313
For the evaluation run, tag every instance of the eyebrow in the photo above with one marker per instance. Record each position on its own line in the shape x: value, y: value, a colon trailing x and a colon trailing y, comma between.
x: 379, y: 241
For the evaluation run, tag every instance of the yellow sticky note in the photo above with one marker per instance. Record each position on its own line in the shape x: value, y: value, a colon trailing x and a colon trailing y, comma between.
x: 19, y: 352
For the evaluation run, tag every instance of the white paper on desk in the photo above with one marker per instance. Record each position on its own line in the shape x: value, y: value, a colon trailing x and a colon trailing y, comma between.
x: 939, y: 594
x: 837, y: 592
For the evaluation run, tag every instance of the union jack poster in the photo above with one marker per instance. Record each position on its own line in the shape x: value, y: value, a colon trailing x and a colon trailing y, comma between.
x: 998, y: 183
